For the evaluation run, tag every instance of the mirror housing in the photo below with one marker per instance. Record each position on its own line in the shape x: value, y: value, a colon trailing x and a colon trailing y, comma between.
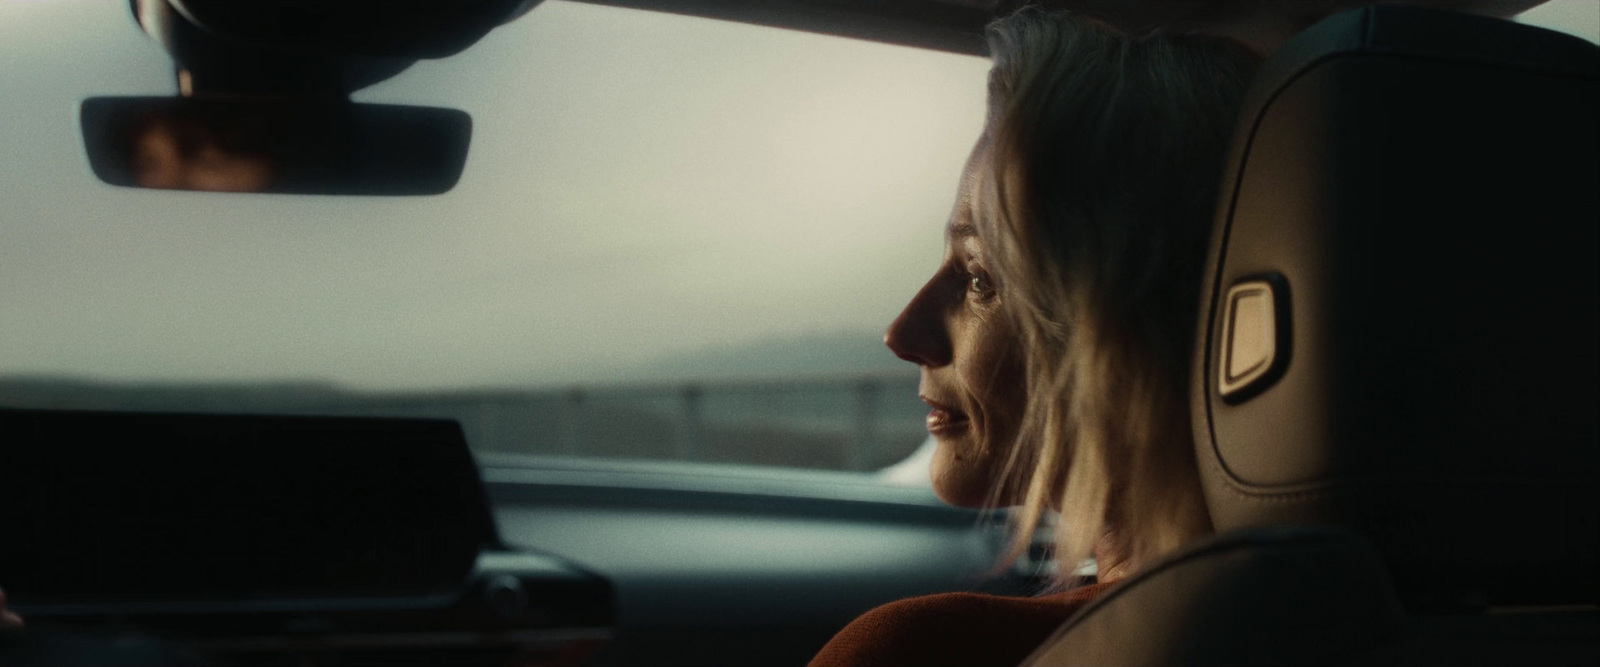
x: 263, y: 98
x: 274, y: 145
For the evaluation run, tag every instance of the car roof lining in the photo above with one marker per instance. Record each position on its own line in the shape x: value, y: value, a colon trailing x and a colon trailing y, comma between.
x: 957, y: 26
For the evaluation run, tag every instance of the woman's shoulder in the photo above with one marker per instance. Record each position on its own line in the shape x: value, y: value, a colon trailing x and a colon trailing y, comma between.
x: 951, y: 629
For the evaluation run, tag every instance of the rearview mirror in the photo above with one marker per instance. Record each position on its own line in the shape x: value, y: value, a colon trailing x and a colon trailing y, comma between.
x: 275, y: 145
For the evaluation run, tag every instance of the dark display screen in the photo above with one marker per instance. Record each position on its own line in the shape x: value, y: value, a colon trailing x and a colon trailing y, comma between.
x: 124, y: 507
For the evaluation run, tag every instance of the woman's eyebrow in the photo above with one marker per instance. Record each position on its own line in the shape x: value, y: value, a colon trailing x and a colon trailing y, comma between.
x: 960, y: 230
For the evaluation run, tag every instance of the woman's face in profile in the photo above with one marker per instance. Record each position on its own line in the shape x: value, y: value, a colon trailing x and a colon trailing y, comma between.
x: 972, y: 378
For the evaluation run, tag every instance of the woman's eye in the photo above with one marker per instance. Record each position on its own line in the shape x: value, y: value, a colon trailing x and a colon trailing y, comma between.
x: 979, y: 284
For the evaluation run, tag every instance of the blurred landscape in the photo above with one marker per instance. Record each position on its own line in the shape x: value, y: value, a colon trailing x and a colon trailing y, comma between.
x: 861, y: 422
x: 832, y: 402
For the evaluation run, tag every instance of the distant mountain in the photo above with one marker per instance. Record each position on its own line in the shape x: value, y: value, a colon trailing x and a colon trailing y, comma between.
x: 827, y: 354
x: 824, y: 357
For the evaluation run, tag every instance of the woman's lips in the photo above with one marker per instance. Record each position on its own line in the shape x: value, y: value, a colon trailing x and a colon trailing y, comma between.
x: 943, y: 419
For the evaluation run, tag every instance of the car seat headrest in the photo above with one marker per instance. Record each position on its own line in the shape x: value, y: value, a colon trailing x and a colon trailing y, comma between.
x: 1399, y: 312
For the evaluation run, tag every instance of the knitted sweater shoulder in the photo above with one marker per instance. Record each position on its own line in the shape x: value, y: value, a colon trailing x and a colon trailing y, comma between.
x: 953, y: 629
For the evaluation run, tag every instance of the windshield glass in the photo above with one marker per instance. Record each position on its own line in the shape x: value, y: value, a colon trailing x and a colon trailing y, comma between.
x: 674, y: 238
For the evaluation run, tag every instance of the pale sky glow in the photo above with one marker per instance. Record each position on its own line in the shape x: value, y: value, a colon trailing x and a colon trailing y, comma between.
x: 640, y: 186
x: 1574, y: 17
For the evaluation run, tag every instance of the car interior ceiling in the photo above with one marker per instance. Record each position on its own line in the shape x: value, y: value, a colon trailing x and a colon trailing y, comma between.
x: 1404, y: 475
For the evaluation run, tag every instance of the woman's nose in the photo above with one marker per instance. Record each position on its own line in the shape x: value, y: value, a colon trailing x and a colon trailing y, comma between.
x: 919, y: 334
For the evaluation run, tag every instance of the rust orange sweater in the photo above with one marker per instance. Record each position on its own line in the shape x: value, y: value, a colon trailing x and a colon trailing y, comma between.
x: 963, y: 629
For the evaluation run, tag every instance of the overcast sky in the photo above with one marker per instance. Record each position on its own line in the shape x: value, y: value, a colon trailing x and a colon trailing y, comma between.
x: 640, y: 186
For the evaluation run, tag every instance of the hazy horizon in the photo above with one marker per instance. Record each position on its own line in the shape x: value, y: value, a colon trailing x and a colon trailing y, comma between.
x: 642, y: 187
x: 804, y: 358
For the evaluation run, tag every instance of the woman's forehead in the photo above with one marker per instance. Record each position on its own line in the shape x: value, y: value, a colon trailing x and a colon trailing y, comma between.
x: 967, y: 215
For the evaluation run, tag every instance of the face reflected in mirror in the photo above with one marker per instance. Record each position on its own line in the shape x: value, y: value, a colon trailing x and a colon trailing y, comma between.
x: 280, y: 145
x: 176, y: 153
x: 970, y: 358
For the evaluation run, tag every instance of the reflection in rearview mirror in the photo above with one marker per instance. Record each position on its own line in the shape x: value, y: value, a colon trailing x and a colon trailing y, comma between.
x: 275, y: 145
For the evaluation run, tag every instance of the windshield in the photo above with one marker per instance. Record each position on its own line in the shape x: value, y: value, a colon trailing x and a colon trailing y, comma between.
x: 674, y: 238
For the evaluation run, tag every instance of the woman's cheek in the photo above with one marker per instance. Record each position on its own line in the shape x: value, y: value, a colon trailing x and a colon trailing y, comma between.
x: 967, y: 467
x: 1000, y: 384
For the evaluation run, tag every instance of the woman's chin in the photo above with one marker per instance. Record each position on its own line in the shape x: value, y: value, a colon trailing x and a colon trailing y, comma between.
x: 958, y: 481
x: 957, y: 497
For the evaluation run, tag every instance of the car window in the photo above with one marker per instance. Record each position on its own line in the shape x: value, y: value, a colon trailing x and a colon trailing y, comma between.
x: 675, y: 238
x: 1580, y: 18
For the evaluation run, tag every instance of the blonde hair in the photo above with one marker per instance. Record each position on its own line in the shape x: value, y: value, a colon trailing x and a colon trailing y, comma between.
x: 1102, y: 158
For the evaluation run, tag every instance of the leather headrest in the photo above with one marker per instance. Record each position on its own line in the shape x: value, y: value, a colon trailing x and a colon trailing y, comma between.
x: 1400, y: 311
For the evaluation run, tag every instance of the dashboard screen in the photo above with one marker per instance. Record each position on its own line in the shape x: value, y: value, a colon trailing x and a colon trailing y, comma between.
x: 125, y: 507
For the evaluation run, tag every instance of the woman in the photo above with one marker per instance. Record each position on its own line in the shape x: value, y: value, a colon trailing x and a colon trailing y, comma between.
x: 1054, y: 339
